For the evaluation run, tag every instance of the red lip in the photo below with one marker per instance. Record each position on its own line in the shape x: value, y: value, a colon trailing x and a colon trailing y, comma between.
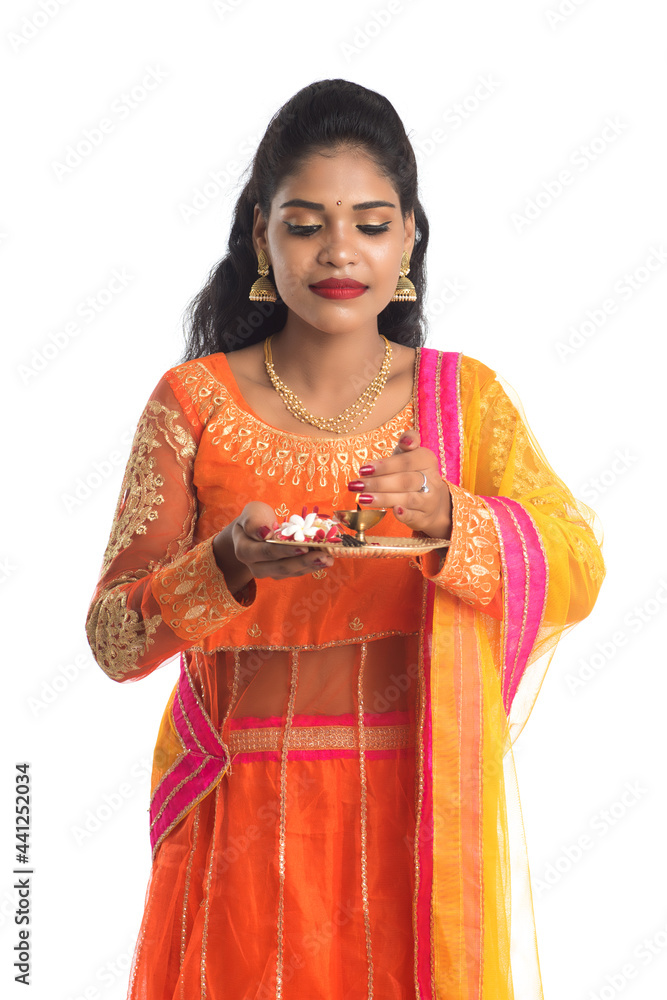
x: 339, y: 283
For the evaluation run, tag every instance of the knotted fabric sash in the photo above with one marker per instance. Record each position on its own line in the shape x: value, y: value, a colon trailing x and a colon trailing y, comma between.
x: 196, y: 771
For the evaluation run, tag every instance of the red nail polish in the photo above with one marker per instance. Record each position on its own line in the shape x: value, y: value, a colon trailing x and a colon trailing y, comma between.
x: 356, y: 485
x: 263, y: 531
x: 365, y: 498
x: 366, y: 470
x: 400, y: 511
x: 405, y: 440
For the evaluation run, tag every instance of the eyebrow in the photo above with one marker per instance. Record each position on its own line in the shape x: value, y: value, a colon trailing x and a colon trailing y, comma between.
x: 317, y: 207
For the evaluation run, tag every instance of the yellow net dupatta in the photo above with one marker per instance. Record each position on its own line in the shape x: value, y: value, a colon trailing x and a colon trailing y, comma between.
x: 527, y: 564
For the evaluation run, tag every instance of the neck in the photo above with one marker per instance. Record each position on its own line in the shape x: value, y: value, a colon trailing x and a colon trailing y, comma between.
x: 313, y: 362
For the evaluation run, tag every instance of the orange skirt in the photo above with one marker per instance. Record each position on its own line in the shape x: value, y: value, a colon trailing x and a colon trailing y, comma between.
x: 294, y: 880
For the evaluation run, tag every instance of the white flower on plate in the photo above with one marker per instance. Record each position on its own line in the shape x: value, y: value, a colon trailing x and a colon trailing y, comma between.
x: 300, y: 528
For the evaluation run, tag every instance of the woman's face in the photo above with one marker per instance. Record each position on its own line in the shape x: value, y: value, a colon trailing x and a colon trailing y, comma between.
x: 337, y: 217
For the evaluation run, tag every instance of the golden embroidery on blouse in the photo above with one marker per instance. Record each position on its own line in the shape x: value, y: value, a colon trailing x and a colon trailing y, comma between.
x: 256, y: 740
x: 205, y: 390
x: 118, y: 635
x: 312, y: 463
x: 472, y: 565
x: 141, y: 495
x: 309, y: 463
x: 194, y: 594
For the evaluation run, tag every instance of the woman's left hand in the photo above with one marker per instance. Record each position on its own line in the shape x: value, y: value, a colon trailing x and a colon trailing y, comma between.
x: 396, y: 482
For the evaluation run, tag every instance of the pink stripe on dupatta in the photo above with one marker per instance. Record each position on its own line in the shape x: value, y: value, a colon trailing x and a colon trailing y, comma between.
x: 439, y: 410
x: 525, y: 583
x: 439, y: 424
x: 204, y: 760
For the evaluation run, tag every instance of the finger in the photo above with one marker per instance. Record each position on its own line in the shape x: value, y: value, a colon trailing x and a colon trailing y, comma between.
x: 421, y: 459
x: 256, y: 519
x: 408, y: 442
x: 390, y: 500
x: 294, y: 566
x: 399, y: 482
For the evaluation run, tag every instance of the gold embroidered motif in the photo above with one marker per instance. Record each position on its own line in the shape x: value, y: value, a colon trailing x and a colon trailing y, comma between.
x: 356, y: 625
x: 254, y: 630
x: 472, y: 565
x: 319, y: 574
x: 117, y: 635
x: 196, y: 594
x: 282, y: 511
x: 309, y: 462
x: 256, y: 740
x: 140, y: 495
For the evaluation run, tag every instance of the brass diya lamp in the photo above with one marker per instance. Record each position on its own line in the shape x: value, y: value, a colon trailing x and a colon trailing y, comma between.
x: 359, y: 521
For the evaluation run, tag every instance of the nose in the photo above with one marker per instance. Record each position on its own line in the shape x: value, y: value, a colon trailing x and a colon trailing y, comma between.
x: 338, y: 248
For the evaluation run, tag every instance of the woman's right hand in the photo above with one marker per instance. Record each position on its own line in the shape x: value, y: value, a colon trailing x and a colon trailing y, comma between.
x: 241, y: 552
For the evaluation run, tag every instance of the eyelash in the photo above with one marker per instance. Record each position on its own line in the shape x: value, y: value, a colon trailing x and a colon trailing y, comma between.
x: 309, y: 230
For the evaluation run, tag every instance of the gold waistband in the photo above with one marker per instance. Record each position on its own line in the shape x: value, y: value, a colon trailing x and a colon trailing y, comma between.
x: 320, y: 738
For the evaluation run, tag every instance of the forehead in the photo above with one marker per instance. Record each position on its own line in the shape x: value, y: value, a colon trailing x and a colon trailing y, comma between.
x: 349, y: 175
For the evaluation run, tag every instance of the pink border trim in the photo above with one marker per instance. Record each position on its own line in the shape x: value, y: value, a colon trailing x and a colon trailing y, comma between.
x: 274, y: 755
x: 274, y: 721
x: 525, y: 579
x: 451, y: 419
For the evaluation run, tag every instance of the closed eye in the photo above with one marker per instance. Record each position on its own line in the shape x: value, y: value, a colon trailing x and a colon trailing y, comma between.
x: 309, y: 230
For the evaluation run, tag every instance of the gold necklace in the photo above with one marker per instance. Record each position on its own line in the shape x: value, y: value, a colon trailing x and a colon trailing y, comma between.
x: 349, y: 418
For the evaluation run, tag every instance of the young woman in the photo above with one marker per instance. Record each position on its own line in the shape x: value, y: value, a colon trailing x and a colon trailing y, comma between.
x: 328, y: 809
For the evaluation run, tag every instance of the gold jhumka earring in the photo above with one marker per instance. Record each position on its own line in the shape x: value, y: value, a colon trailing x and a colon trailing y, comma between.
x: 263, y: 289
x: 405, y: 290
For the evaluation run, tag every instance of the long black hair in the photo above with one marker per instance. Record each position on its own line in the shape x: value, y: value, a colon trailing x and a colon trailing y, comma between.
x: 324, y: 115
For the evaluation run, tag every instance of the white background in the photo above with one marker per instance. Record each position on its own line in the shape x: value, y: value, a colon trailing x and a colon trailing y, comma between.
x: 218, y: 73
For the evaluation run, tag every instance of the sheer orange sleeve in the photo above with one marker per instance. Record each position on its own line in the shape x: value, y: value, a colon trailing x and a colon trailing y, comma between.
x: 158, y: 593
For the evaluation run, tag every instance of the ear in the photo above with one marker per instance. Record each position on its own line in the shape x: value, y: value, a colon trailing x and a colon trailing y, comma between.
x: 259, y: 232
x: 410, y: 227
